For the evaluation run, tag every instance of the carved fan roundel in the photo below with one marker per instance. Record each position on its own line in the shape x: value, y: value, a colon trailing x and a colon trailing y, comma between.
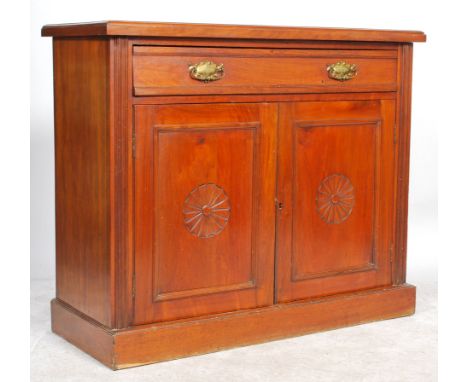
x: 206, y: 211
x: 335, y: 199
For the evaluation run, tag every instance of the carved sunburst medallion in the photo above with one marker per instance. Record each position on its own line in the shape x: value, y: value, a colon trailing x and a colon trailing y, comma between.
x: 206, y: 211
x: 335, y: 199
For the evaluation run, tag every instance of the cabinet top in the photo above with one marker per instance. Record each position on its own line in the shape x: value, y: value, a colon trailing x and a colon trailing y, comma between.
x: 150, y: 29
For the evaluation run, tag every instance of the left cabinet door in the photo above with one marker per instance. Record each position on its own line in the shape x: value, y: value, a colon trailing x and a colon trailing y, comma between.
x: 204, y: 209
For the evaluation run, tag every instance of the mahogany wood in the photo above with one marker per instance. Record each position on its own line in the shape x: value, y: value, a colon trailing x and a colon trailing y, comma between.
x: 343, y: 150
x: 198, y: 216
x: 121, y: 181
x: 160, y: 100
x: 164, y: 71
x: 82, y: 176
x: 263, y: 43
x: 131, y: 28
x: 159, y: 342
x: 403, y: 151
x: 83, y: 332
x: 179, y: 151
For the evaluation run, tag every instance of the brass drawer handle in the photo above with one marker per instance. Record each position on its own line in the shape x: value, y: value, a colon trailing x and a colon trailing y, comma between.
x: 206, y: 71
x: 342, y: 71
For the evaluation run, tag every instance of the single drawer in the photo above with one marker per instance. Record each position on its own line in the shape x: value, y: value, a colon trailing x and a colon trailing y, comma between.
x: 187, y: 70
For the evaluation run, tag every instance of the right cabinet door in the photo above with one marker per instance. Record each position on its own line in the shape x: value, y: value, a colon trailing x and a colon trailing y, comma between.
x: 336, y: 182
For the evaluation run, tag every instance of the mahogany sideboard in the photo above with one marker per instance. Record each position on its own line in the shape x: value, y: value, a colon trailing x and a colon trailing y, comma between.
x: 222, y: 185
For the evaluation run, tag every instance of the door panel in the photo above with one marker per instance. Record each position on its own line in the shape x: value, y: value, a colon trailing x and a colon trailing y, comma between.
x: 336, y: 185
x: 205, y: 182
x: 336, y: 221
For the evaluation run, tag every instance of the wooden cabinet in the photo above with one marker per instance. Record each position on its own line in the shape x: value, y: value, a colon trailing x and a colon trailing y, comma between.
x: 220, y: 191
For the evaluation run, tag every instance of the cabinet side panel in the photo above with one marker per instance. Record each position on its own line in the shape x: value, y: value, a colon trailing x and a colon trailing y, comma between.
x: 121, y: 179
x: 403, y: 155
x: 81, y: 68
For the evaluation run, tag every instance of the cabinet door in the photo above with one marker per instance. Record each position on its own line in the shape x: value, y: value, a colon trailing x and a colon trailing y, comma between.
x: 204, y: 209
x: 335, y: 185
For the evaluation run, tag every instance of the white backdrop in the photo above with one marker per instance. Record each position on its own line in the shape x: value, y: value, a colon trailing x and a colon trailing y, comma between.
x: 426, y: 118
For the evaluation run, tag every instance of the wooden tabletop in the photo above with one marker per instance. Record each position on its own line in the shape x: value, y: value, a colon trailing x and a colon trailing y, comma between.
x: 150, y: 29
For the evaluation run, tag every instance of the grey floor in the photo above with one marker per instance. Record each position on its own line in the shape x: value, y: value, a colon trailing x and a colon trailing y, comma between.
x: 399, y: 350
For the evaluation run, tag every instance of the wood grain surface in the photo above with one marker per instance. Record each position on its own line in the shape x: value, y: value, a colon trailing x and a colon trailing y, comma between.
x: 152, y: 29
x: 81, y: 82
x: 190, y: 158
x: 329, y: 150
x: 160, y: 342
x: 165, y: 71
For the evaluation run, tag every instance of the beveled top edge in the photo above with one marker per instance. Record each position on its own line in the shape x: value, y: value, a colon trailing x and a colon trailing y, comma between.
x: 225, y: 31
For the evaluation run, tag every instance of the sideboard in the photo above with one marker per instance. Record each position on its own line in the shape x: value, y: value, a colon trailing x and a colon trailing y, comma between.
x: 224, y: 185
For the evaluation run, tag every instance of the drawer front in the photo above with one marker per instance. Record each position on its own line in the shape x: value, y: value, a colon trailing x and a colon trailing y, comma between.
x: 185, y: 70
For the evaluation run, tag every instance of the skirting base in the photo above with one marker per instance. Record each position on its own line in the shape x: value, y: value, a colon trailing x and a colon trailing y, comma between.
x: 146, y: 344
